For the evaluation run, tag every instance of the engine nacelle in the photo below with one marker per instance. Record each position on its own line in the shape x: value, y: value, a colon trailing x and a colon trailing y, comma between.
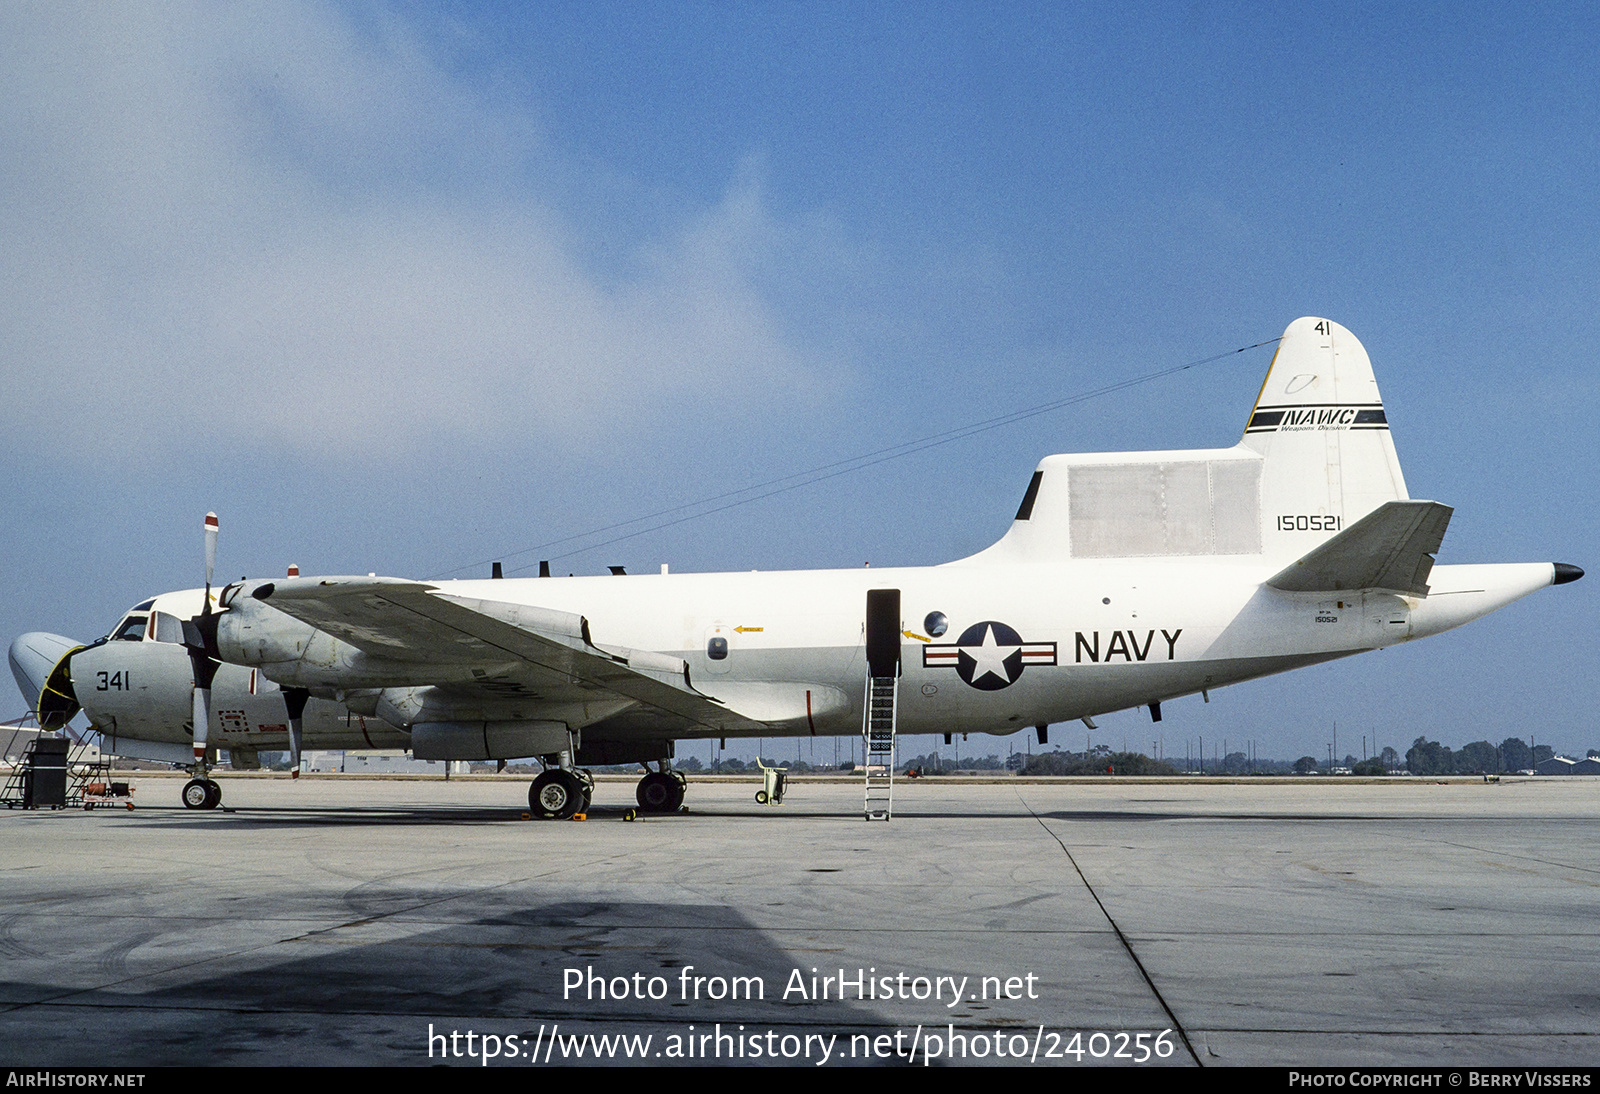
x: 296, y: 654
x: 252, y: 633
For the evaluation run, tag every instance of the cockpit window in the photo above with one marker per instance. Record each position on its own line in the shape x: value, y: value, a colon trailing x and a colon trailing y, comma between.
x: 146, y: 606
x: 169, y: 628
x: 132, y: 629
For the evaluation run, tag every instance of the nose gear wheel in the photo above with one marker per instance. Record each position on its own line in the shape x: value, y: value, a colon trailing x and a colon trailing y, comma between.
x: 201, y: 794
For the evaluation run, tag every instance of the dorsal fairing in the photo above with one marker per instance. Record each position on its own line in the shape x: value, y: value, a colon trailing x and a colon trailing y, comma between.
x: 1140, y: 505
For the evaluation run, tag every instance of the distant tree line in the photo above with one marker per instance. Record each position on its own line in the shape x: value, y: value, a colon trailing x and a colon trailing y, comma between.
x: 1099, y: 760
x: 735, y: 766
x: 935, y: 764
x: 1426, y: 757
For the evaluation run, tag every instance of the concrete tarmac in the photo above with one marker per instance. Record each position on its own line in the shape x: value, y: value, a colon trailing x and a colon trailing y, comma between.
x: 338, y: 921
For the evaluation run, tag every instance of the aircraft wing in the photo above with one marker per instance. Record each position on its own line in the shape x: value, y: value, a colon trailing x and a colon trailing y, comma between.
x: 1390, y: 549
x: 413, y: 621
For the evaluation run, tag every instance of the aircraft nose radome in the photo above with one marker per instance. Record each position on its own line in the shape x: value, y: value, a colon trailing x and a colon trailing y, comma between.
x: 1566, y: 572
x: 32, y: 657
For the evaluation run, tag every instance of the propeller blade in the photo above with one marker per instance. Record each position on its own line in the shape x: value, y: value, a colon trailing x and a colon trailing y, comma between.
x: 211, y: 555
x: 202, y: 720
x: 295, y: 700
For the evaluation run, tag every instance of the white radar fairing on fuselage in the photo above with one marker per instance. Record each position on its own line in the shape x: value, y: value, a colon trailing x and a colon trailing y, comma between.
x: 1126, y: 579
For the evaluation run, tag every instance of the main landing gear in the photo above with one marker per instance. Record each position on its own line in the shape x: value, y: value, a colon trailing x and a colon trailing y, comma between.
x: 561, y: 792
x: 661, y: 791
x: 201, y: 793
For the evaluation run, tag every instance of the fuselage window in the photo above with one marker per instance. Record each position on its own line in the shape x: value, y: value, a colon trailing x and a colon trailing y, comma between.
x: 132, y: 629
x: 169, y: 628
x: 717, y: 648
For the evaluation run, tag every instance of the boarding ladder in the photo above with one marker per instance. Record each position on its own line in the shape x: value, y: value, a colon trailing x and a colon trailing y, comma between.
x: 11, y: 795
x: 878, y: 745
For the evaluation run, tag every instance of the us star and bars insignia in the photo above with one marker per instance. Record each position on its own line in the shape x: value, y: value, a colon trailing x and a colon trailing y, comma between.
x: 988, y: 655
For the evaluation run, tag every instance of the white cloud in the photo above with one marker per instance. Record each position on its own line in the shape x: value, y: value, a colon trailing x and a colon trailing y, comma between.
x: 271, y: 227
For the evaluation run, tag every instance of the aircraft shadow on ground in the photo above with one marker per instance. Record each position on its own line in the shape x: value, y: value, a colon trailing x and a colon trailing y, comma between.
x: 332, y: 997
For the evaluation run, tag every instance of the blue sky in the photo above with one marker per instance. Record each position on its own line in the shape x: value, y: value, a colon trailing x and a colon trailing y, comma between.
x: 403, y: 288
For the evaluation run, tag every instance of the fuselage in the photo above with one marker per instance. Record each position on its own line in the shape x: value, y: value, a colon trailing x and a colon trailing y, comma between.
x: 986, y: 645
x: 1021, y: 644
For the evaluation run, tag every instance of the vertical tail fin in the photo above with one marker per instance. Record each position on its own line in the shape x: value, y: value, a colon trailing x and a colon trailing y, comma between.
x: 1327, y: 457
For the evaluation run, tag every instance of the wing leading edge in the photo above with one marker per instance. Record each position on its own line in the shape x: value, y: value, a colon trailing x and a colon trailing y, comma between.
x: 413, y: 621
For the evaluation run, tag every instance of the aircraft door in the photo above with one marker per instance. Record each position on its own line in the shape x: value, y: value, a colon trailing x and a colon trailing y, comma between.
x: 883, y: 632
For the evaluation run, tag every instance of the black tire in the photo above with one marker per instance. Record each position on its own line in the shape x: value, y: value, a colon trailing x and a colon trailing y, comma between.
x: 196, y: 794
x: 213, y: 794
x: 761, y: 797
x: 659, y: 792
x: 556, y: 794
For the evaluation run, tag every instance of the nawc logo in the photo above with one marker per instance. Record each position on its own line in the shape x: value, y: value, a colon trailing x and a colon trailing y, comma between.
x: 988, y: 655
x: 1290, y: 418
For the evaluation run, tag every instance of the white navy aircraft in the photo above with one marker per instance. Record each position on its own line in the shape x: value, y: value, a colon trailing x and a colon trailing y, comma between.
x: 1127, y: 579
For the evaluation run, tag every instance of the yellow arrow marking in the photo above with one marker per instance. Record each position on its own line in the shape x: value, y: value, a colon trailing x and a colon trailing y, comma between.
x: 746, y: 630
x: 918, y: 637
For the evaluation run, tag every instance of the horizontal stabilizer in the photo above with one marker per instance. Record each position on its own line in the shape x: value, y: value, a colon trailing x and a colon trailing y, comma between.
x: 1390, y: 549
